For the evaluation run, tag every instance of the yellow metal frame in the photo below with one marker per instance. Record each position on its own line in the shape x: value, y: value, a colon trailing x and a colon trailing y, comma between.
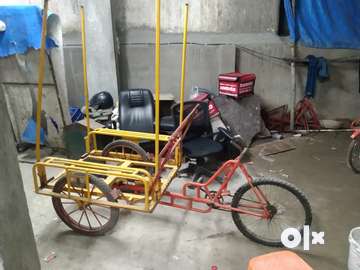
x: 182, y: 82
x: 157, y: 84
x: 183, y: 63
x: 93, y: 163
x: 41, y: 78
x: 86, y: 88
x: 121, y: 170
x: 126, y: 135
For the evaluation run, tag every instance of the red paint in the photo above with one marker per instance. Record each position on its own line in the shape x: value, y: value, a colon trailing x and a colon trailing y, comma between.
x: 203, y: 195
x: 355, y: 133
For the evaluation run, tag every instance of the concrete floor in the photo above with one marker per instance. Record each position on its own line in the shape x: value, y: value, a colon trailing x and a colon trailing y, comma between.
x: 175, y: 239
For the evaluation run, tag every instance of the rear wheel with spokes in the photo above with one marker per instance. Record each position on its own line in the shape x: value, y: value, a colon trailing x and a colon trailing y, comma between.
x: 125, y: 150
x: 287, y: 206
x: 129, y: 151
x: 82, y: 217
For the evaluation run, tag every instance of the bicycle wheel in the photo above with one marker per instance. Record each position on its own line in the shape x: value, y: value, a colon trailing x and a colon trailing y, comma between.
x: 85, y: 218
x: 286, y: 203
x: 126, y: 150
x: 353, y: 155
x: 129, y: 151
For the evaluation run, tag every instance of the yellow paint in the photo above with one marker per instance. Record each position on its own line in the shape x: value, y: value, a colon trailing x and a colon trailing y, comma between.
x: 183, y: 75
x: 86, y: 89
x: 183, y: 65
x: 126, y: 171
x: 41, y: 170
x: 41, y: 78
x: 157, y: 84
x: 131, y: 135
x: 92, y: 163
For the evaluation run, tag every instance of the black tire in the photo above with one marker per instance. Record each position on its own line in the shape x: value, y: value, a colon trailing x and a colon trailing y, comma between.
x: 131, y: 149
x: 239, y: 219
x: 77, y: 226
x: 353, y: 155
x: 118, y: 144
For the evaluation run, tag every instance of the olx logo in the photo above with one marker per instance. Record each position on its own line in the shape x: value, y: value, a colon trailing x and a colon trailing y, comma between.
x: 291, y: 238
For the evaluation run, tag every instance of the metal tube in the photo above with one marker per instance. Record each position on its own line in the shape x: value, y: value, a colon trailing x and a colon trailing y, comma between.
x: 157, y: 85
x: 183, y: 67
x: 41, y: 79
x: 57, y: 91
x: 293, y: 75
x: 86, y: 90
x: 293, y: 87
x: 182, y: 83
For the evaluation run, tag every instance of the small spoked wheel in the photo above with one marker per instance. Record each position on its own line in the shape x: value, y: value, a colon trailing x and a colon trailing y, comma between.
x: 86, y: 218
x: 125, y: 150
x: 287, y: 208
x: 353, y: 156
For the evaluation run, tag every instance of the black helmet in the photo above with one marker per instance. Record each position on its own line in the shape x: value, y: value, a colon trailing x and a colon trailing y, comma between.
x: 102, y: 101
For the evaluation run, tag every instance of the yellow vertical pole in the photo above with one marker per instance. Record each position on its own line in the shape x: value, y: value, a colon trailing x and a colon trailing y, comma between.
x: 41, y: 80
x: 86, y: 89
x: 182, y: 83
x: 183, y: 67
x: 157, y: 85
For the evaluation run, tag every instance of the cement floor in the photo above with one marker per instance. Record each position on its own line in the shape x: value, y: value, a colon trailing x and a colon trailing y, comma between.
x: 175, y: 239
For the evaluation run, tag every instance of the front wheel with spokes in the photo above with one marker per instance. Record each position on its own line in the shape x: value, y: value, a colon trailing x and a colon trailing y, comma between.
x: 287, y: 208
x: 86, y: 218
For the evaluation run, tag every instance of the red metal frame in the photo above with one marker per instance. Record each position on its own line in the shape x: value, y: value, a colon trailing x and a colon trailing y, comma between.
x: 204, y: 196
x: 355, y: 134
x: 355, y: 125
x: 211, y: 200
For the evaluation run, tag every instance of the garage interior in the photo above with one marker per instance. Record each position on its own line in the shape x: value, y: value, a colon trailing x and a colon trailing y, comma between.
x: 296, y: 123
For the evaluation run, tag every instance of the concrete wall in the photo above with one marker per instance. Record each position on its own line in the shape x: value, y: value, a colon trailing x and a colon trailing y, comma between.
x: 19, y: 78
x: 215, y: 16
x: 236, y: 23
x: 17, y: 243
x: 18, y: 81
x: 244, y: 24
x: 234, y: 16
x: 101, y: 67
x: 203, y: 65
x: 273, y: 76
x: 336, y: 98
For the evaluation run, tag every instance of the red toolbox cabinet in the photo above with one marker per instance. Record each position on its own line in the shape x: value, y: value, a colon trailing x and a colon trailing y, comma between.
x: 236, y: 84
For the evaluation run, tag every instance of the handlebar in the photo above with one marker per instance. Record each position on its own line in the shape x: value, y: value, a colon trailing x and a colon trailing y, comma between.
x: 205, y: 91
x: 226, y: 133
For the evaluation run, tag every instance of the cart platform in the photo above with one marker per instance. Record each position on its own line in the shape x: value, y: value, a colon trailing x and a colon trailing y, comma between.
x: 114, y: 172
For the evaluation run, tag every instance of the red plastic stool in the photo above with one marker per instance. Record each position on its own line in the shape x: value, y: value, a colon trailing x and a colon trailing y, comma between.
x: 282, y: 260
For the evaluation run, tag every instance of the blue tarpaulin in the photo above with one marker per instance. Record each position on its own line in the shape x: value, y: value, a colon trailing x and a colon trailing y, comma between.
x: 23, y: 30
x: 325, y: 23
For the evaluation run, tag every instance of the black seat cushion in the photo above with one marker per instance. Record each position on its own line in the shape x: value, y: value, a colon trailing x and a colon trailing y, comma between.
x: 200, y: 147
x: 136, y: 110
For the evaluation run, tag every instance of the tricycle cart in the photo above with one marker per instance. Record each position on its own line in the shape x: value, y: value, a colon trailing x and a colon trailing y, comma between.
x: 88, y: 193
